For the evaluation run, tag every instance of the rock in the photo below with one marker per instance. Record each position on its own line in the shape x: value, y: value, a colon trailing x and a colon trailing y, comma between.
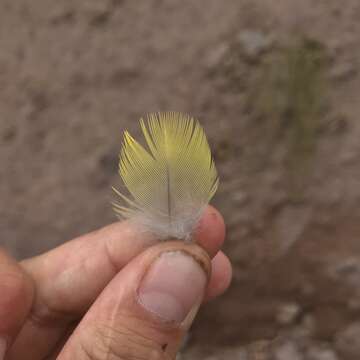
x: 286, y: 351
x: 216, y: 56
x: 233, y: 353
x: 240, y: 198
x: 307, y: 289
x: 259, y: 350
x: 353, y: 304
x: 343, y: 71
x: 287, y: 313
x: 289, y: 226
x: 316, y: 353
x: 253, y: 43
x: 347, y: 341
x: 348, y: 157
x: 61, y: 15
x: 338, y: 124
x: 308, y: 324
x: 346, y: 270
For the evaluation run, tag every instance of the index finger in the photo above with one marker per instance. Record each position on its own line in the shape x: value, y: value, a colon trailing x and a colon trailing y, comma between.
x: 16, y: 295
x: 69, y: 277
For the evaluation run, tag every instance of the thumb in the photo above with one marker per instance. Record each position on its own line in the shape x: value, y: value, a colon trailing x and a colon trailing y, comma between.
x: 146, y: 309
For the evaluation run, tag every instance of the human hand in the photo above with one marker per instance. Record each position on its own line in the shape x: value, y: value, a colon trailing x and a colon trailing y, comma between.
x: 116, y: 293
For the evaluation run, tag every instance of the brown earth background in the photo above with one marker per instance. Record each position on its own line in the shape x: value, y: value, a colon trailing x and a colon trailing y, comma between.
x: 275, y: 84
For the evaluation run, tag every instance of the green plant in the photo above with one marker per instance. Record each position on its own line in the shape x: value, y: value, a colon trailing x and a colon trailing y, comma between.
x: 290, y: 100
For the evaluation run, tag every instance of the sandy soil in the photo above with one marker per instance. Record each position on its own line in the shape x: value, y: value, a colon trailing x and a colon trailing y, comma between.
x: 74, y: 74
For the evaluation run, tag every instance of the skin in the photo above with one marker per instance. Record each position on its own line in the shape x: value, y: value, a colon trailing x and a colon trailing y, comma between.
x: 77, y: 300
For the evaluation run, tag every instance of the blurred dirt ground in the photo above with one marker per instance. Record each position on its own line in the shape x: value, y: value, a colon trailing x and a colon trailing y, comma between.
x: 275, y: 84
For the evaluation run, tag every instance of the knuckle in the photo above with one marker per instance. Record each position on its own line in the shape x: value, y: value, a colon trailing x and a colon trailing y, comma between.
x: 100, y: 342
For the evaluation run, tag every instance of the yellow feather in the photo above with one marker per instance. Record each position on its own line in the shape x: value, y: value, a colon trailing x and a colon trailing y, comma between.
x: 170, y: 183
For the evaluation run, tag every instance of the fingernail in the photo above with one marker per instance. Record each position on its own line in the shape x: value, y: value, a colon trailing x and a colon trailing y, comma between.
x: 173, y: 286
x: 2, y: 348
